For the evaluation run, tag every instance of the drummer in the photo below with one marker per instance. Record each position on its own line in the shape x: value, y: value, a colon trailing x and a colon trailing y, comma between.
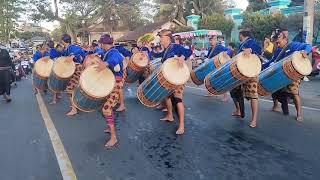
x: 248, y: 45
x: 173, y: 50
x: 53, y: 52
x: 285, y: 49
x: 40, y: 53
x: 96, y: 49
x: 114, y: 61
x: 77, y: 55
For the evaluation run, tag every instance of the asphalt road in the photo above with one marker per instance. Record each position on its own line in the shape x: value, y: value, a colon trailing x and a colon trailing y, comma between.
x: 215, y: 145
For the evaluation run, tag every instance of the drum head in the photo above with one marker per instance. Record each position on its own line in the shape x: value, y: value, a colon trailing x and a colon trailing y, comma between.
x: 63, y: 68
x: 249, y: 66
x: 173, y: 73
x: 97, y: 84
x: 141, y: 59
x: 223, y: 58
x: 301, y: 65
x: 91, y: 60
x: 43, y: 67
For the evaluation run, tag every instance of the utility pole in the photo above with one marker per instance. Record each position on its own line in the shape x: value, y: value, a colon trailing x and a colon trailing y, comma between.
x: 308, y: 19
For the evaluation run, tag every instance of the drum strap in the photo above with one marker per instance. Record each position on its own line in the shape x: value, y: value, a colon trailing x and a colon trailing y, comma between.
x: 166, y: 53
x: 211, y: 52
x: 282, y: 52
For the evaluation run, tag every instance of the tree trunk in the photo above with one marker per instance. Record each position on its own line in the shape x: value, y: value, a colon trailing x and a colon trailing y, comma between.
x: 72, y: 33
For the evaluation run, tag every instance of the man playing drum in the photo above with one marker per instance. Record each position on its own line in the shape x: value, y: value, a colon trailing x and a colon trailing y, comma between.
x: 171, y: 50
x: 78, y: 56
x: 285, y: 49
x: 248, y: 45
x: 114, y: 60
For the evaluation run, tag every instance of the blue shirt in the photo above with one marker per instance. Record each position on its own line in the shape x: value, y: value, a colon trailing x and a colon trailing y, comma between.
x: 292, y: 47
x: 53, y: 53
x: 217, y: 50
x: 38, y: 55
x: 76, y: 51
x: 113, y: 58
x: 99, y: 51
x: 173, y: 50
x: 250, y: 43
x: 145, y: 49
x: 123, y: 51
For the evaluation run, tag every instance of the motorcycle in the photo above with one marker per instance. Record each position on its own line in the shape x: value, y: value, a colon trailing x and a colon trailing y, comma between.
x: 26, y: 67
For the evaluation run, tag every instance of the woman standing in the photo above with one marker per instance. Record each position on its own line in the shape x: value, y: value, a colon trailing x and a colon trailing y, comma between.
x: 5, y: 73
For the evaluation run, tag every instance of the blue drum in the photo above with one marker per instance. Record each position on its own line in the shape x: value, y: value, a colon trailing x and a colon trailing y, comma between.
x: 136, y: 67
x: 62, y: 72
x: 283, y: 73
x: 199, y: 74
x: 42, y: 70
x: 93, y: 89
x: 235, y: 72
x: 162, y: 83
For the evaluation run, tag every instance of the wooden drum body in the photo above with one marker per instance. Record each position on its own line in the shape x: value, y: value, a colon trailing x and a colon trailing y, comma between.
x: 162, y: 83
x: 136, y: 67
x: 42, y: 70
x: 283, y: 73
x: 93, y: 89
x: 62, y: 72
x: 199, y: 74
x: 232, y: 74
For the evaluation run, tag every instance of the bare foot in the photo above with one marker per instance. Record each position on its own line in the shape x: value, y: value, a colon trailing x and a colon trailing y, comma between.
x: 59, y: 96
x: 253, y: 124
x: 107, y: 131
x: 164, y: 110
x: 299, y: 118
x: 121, y: 109
x: 159, y: 107
x: 111, y: 143
x: 167, y: 119
x: 180, y: 131
x: 72, y: 113
x: 53, y: 102
x: 276, y: 109
x: 236, y: 113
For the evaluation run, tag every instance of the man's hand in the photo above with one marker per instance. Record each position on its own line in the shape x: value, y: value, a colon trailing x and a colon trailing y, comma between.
x: 225, y: 54
x: 180, y: 61
x: 304, y: 54
x: 247, y: 51
x: 101, y: 66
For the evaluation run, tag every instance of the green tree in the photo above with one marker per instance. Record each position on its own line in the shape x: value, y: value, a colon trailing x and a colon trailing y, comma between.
x: 178, y: 29
x: 262, y: 25
x: 217, y: 22
x: 10, y: 13
x: 256, y: 5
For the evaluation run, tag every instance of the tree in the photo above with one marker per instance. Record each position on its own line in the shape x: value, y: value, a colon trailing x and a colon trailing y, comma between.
x: 9, y: 14
x: 218, y: 22
x: 256, y: 5
x: 178, y: 29
x: 206, y: 7
x: 262, y: 25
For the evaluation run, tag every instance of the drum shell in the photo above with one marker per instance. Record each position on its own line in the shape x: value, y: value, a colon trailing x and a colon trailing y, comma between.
x: 133, y: 72
x: 199, y: 74
x: 56, y: 84
x: 39, y: 82
x: 276, y: 77
x: 154, y: 90
x: 224, y: 79
x: 85, y: 102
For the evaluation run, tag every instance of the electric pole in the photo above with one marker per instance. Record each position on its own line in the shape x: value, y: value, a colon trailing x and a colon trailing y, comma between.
x: 308, y: 19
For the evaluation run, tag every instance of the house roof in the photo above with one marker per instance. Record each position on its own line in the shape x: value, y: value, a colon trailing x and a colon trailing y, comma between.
x: 134, y: 35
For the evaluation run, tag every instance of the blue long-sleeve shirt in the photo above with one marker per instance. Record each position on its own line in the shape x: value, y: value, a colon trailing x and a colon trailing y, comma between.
x: 217, y: 50
x: 173, y: 50
x: 113, y: 57
x: 250, y: 43
x: 53, y: 53
x: 292, y: 47
x: 76, y: 51
x: 38, y: 55
x: 123, y: 51
x: 145, y: 49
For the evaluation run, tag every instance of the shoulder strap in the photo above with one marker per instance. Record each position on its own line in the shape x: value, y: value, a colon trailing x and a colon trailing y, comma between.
x: 282, y: 52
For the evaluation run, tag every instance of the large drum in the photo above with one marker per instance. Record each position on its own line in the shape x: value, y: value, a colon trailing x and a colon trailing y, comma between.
x: 91, y: 60
x: 136, y: 67
x: 93, y: 89
x: 199, y: 74
x: 232, y: 74
x: 41, y: 73
x: 61, y: 73
x: 283, y: 73
x: 162, y: 83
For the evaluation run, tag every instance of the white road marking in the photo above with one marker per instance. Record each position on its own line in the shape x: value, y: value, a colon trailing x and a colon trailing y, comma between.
x: 59, y: 150
x: 265, y: 100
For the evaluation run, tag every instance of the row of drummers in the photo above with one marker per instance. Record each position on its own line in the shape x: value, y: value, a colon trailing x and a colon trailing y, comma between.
x: 219, y: 74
